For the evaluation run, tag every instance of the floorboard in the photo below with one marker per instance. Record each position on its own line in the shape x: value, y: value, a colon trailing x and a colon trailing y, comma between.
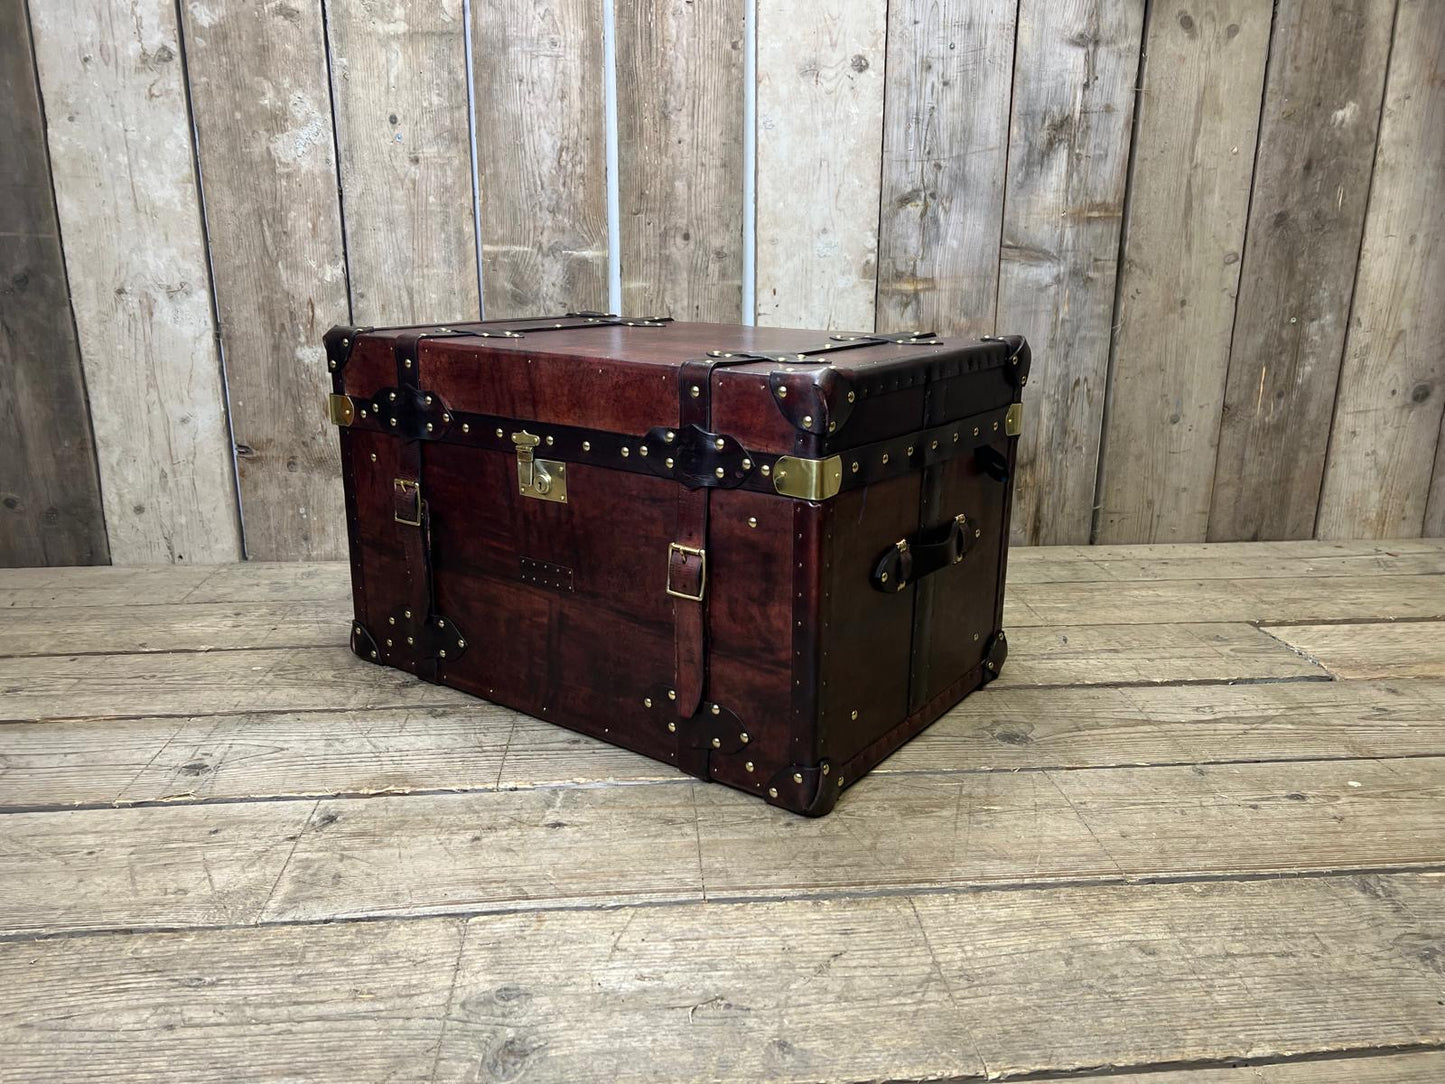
x: 1194, y: 834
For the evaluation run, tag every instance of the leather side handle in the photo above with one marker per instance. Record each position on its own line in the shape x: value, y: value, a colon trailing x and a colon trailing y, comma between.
x: 932, y: 549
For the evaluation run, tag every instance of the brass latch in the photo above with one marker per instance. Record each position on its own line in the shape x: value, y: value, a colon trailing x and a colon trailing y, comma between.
x: 540, y: 479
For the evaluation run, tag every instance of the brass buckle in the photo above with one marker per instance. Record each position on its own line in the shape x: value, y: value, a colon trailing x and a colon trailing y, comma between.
x: 408, y: 486
x: 701, y: 556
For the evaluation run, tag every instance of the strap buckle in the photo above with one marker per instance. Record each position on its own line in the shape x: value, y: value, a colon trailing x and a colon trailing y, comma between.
x: 684, y: 552
x: 406, y: 504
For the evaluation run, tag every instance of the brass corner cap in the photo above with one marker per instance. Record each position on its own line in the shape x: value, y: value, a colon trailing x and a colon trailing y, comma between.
x: 1013, y: 421
x: 808, y: 479
x: 340, y: 410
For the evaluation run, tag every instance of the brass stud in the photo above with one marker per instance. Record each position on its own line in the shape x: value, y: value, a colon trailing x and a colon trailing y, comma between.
x: 851, y: 397
x: 672, y: 728
x: 388, y: 641
x: 978, y: 532
x: 586, y: 445
x: 717, y: 743
x: 975, y: 430
x: 406, y: 613
x: 910, y: 449
x: 441, y: 624
x: 410, y: 640
x: 642, y: 449
x: 669, y: 437
x: 647, y: 701
x: 391, y: 397
x: 717, y: 709
x: 626, y: 451
x: 720, y: 472
x: 826, y: 768
x: 373, y: 457
x: 373, y: 654
x: 832, y: 426
x: 767, y: 470
x: 672, y: 694
x: 883, y: 577
x: 772, y: 792
x: 840, y: 780
x: 391, y: 621
x: 446, y: 417
x: 461, y: 643
x: 975, y: 637
x: 743, y: 737
x: 499, y: 434
x: 429, y: 427
x: 955, y: 438
x: 466, y: 428
x: 782, y: 393
x: 363, y: 412
x: 393, y: 421
x: 797, y: 777
x: 550, y: 442
x: 995, y: 427
x: 855, y: 467
x: 752, y: 521
x: 747, y: 464
x: 854, y: 715
x: 345, y: 342
x: 407, y: 363
x: 719, y: 444
x: 668, y: 461
x: 748, y: 766
x: 442, y: 653
x: 428, y: 400
x: 807, y: 421
x: 885, y: 458
x: 933, y: 446
x: 694, y: 391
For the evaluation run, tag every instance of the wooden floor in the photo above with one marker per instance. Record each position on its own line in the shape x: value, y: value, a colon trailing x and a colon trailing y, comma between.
x: 1196, y: 832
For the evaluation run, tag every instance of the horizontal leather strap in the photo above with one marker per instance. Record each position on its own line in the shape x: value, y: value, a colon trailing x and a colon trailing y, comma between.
x: 932, y: 549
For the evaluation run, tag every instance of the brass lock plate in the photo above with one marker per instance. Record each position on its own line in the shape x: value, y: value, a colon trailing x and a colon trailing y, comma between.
x: 540, y: 479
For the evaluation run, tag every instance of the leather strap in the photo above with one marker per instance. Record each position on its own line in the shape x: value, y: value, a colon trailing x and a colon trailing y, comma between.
x: 687, y: 557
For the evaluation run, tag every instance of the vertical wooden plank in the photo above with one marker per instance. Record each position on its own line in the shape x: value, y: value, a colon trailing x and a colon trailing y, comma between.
x: 1392, y: 385
x: 541, y: 155
x: 1198, y: 116
x: 820, y: 137
x: 125, y: 186
x: 680, y: 155
x: 50, y: 512
x: 1068, y: 160
x: 1311, y: 179
x: 1435, y: 505
x: 263, y: 123
x: 400, y: 82
x: 946, y: 122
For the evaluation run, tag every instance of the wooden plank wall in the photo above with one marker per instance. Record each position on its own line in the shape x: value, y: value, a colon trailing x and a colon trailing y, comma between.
x: 1217, y: 221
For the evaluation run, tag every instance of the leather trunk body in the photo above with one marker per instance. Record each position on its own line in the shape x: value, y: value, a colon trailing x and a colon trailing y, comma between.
x: 766, y: 556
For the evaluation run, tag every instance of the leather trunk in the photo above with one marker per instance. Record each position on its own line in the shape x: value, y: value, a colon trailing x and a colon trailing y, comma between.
x: 766, y: 556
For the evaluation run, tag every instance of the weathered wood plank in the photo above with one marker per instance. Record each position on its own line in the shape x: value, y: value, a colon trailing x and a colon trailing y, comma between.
x: 476, y: 745
x: 1282, y: 600
x: 1413, y: 649
x: 1388, y: 414
x: 190, y: 683
x: 1225, y: 560
x: 263, y: 121
x: 517, y: 849
x: 817, y: 990
x: 1095, y: 654
x: 1073, y: 108
x: 820, y: 135
x: 251, y: 581
x: 680, y: 158
x: 117, y: 868
x: 1188, y: 973
x: 323, y: 1003
x: 50, y: 510
x: 1105, y: 823
x: 125, y: 188
x: 541, y: 156
x: 601, y: 846
x: 258, y: 755
x: 399, y: 73
x: 946, y: 130
x: 1311, y: 179
x: 113, y: 630
x: 1377, y: 1068
x: 1198, y: 115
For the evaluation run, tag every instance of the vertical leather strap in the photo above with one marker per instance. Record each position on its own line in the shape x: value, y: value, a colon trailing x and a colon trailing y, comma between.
x: 687, y: 558
x: 412, y: 516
